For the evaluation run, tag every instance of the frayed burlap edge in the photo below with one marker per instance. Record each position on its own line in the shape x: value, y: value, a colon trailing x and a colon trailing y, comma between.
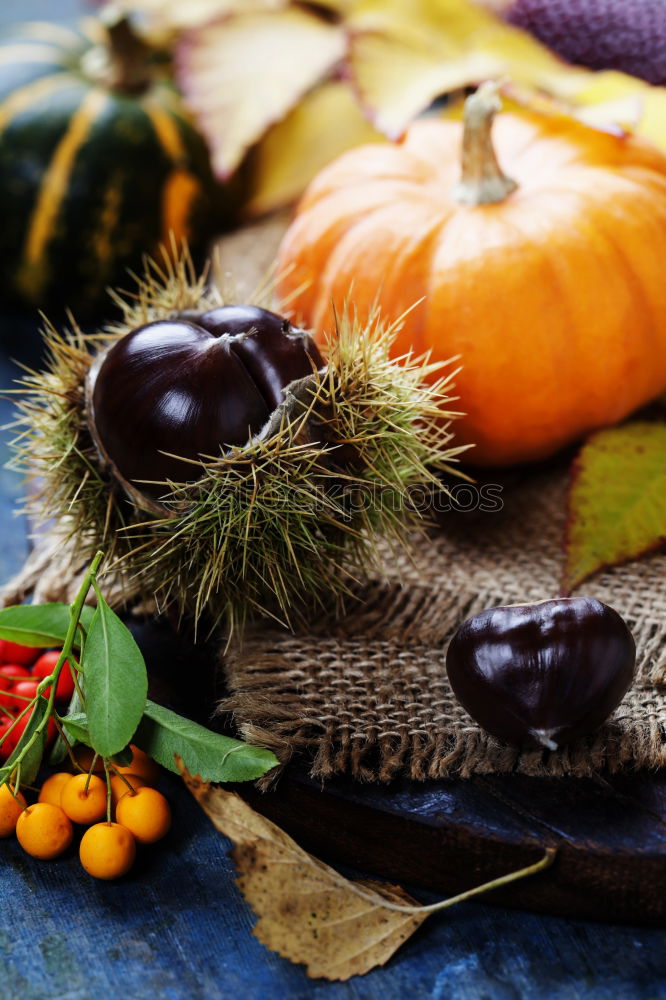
x: 366, y: 693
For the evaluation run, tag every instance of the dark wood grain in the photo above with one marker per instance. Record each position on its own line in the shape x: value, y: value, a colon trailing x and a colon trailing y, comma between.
x: 448, y: 836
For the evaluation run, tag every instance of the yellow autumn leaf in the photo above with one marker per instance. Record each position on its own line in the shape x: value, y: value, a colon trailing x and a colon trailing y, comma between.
x: 323, y: 125
x: 396, y: 79
x: 246, y: 72
x: 309, y: 913
x: 405, y: 53
x: 610, y: 88
x: 282, y: 87
x: 617, y: 116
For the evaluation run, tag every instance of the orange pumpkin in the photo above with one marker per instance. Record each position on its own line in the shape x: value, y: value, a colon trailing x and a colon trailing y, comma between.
x: 551, y: 288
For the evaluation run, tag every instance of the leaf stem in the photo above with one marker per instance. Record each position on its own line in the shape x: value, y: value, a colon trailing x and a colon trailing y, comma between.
x: 75, y: 615
x: 17, y: 719
x: 123, y: 777
x: 544, y: 862
x: 108, y: 792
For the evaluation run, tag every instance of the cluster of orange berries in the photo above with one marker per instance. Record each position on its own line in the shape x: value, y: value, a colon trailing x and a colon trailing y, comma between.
x: 108, y: 848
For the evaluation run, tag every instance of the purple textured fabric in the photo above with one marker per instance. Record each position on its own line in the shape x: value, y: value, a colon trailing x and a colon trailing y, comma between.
x: 628, y: 35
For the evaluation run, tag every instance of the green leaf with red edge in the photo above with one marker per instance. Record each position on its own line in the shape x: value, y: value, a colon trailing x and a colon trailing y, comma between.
x: 617, y: 500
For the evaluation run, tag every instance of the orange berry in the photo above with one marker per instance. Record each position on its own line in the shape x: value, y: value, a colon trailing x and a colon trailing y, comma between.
x: 142, y: 765
x: 10, y: 809
x: 44, y: 831
x: 84, y: 757
x: 81, y: 804
x: 119, y: 787
x: 52, y: 787
x: 146, y: 814
x: 107, y: 850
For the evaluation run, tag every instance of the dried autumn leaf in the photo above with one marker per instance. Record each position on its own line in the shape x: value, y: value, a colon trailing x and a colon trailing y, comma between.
x: 246, y: 72
x: 619, y: 116
x: 607, y: 88
x: 405, y: 53
x: 617, y: 500
x: 327, y: 122
x: 397, y: 80
x: 308, y: 912
x: 257, y: 67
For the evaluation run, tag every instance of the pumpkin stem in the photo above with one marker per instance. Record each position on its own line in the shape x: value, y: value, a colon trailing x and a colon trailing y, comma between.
x: 123, y: 63
x: 482, y: 180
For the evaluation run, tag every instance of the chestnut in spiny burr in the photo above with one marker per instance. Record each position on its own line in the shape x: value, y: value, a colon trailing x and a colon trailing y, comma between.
x: 542, y: 674
x: 253, y: 449
x: 174, y: 391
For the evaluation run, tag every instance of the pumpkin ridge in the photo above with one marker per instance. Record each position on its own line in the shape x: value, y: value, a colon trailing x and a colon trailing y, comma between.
x: 340, y: 289
x: 644, y: 307
x: 54, y: 186
x: 561, y: 278
x: 344, y: 221
x: 423, y: 243
x: 31, y: 93
x: 171, y: 100
x: 165, y: 129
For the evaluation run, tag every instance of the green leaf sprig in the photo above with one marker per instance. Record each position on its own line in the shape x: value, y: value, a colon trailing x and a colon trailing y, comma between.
x: 109, y: 708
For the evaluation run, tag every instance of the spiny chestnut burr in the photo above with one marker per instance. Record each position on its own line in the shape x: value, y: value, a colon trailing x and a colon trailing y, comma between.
x: 174, y: 391
x: 542, y: 674
x: 208, y: 450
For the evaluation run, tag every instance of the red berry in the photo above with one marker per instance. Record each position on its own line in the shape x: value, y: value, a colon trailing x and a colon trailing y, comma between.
x: 13, y: 652
x: 10, y: 743
x: 14, y: 672
x: 6, y: 698
x: 5, y: 746
x: 18, y: 730
x: 44, y: 668
x: 23, y: 690
x: 9, y: 674
x: 44, y: 664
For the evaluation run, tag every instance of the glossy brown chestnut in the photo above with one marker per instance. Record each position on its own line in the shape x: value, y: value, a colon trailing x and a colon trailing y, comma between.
x: 190, y: 386
x: 542, y: 674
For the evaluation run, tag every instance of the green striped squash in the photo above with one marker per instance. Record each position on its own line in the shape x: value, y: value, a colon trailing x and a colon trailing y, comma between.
x: 99, y: 163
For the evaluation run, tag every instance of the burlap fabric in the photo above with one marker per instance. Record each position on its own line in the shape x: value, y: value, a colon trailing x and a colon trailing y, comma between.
x: 366, y: 693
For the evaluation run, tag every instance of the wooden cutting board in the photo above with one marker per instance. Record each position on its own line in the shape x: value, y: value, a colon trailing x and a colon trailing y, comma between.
x: 448, y: 836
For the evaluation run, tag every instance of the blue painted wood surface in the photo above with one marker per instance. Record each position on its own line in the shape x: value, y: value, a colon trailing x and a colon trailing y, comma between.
x: 177, y: 927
